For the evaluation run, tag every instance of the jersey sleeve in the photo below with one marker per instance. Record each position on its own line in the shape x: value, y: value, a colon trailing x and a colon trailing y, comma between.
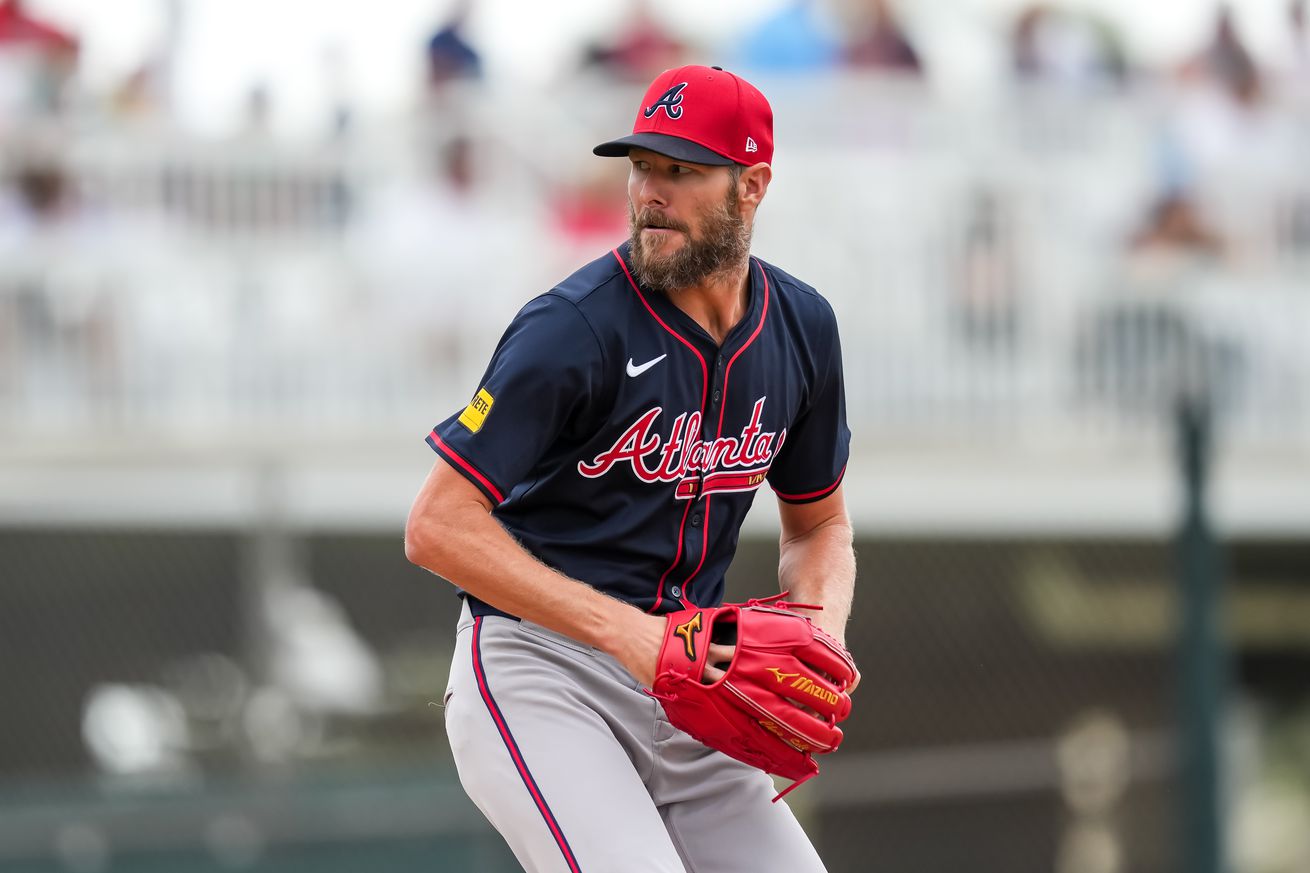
x: 812, y: 461
x: 546, y: 369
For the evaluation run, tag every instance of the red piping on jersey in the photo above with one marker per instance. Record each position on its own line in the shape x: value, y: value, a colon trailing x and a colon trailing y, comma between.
x: 659, y: 590
x: 723, y: 399
x: 820, y: 493
x: 704, y: 547
x: 759, y: 327
x: 468, y: 468
x: 515, y: 753
x: 704, y: 370
x: 704, y: 392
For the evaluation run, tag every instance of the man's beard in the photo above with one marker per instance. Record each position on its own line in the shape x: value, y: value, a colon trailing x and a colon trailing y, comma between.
x: 724, y: 243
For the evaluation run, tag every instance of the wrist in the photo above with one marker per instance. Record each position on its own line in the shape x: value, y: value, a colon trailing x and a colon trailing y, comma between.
x: 633, y: 638
x: 835, y: 629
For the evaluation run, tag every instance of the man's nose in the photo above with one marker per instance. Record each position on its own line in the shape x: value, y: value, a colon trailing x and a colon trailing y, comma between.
x: 651, y: 193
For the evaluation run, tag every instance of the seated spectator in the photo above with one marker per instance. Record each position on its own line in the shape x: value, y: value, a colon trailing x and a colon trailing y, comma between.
x: 1175, y: 224
x: 798, y: 37
x: 987, y: 306
x: 1226, y: 62
x: 44, y: 205
x: 1063, y: 47
x: 882, y: 44
x: 1143, y: 346
x: 430, y: 245
x: 37, y: 63
x: 642, y: 49
x: 1295, y: 63
x: 450, y: 56
x: 1219, y: 118
x: 139, y: 95
x: 587, y: 213
x: 67, y: 326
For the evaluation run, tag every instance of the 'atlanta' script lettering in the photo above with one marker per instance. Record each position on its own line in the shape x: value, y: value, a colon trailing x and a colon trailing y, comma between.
x: 655, y: 459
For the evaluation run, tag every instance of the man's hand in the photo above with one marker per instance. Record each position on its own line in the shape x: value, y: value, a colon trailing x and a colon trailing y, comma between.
x: 635, y: 643
x: 721, y: 656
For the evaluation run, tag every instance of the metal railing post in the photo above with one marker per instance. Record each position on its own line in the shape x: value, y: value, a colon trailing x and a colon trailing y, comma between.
x: 1202, y: 657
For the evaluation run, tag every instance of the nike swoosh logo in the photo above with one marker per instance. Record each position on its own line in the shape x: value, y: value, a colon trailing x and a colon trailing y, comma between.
x: 635, y: 370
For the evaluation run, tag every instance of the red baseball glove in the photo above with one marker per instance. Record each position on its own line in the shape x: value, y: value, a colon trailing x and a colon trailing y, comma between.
x: 780, y: 699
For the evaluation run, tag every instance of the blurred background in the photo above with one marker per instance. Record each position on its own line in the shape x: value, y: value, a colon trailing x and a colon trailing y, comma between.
x: 250, y: 252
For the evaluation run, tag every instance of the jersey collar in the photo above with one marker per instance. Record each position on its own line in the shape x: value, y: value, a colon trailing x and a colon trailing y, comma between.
x: 685, y: 326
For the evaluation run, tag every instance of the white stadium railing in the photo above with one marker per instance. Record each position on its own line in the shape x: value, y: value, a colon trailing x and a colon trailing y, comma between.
x: 266, y: 293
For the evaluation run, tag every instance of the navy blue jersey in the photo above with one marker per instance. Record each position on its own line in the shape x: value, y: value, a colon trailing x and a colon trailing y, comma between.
x: 622, y: 446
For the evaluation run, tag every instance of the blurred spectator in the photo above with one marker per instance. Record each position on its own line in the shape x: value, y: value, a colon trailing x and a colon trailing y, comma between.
x: 798, y: 37
x: 642, y: 49
x: 1065, y: 48
x: 1296, y: 62
x: 1143, y: 346
x: 257, y: 124
x: 42, y: 205
x: 37, y: 63
x: 882, y: 44
x: 65, y: 322
x: 1299, y: 27
x: 987, y: 309
x: 450, y: 56
x: 1224, y: 130
x: 589, y: 213
x: 1227, y: 62
x: 17, y: 26
x: 146, y: 93
x: 336, y: 75
x: 138, y: 97
x: 431, y: 246
x: 1175, y: 225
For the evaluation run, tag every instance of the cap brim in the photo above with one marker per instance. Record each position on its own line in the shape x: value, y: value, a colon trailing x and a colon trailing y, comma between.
x: 663, y: 144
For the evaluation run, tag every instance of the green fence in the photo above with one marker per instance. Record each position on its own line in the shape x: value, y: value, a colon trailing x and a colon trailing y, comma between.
x: 1018, y: 712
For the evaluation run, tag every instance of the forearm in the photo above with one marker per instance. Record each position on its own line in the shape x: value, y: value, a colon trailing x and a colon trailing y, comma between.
x: 464, y: 544
x: 479, y: 556
x: 819, y: 567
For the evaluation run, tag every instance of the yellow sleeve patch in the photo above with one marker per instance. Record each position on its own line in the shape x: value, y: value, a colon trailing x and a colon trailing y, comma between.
x: 476, y: 412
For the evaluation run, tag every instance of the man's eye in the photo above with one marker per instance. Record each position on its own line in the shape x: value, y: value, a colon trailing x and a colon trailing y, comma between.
x: 679, y: 169
x: 641, y: 165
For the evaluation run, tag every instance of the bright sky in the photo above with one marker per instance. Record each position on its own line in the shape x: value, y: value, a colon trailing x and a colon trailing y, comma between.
x: 372, y: 51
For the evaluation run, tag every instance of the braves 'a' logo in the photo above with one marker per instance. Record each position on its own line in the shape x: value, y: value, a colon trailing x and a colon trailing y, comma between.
x: 688, y: 630
x: 670, y: 102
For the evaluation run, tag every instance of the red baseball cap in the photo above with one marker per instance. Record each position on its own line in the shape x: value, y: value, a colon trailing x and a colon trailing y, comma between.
x: 702, y: 115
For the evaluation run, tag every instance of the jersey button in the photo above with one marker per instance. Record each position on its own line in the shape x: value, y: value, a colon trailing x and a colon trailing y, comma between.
x: 695, y: 520
x: 717, y: 396
x: 675, y: 591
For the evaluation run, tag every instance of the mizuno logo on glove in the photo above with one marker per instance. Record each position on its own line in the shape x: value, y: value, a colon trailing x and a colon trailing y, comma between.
x: 805, y: 685
x: 688, y: 630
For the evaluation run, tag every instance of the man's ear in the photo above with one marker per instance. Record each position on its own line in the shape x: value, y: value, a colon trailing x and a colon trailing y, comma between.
x: 754, y: 184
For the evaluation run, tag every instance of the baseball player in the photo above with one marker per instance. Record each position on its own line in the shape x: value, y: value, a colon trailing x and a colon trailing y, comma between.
x: 597, y: 481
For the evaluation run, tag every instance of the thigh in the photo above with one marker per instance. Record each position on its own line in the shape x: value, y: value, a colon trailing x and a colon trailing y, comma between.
x: 545, y: 768
x: 721, y: 815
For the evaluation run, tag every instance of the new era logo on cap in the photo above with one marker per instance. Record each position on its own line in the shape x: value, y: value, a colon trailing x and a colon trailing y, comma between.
x: 702, y: 115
